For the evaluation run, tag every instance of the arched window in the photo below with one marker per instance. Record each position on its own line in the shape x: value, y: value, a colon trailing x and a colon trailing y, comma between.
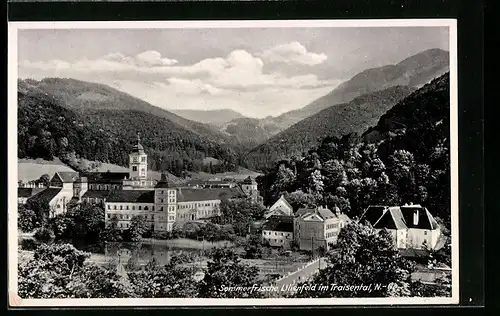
x: 146, y: 208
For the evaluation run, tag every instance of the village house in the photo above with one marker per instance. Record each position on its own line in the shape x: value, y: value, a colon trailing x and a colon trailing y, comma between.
x: 412, y: 226
x: 27, y: 190
x: 318, y: 227
x: 280, y: 208
x: 278, y: 231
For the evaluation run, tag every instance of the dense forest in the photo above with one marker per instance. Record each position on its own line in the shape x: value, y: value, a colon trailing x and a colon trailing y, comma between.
x: 47, y: 129
x: 337, y: 120
x: 404, y: 158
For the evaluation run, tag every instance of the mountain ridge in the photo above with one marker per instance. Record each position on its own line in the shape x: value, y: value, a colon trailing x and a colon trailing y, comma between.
x: 337, y: 121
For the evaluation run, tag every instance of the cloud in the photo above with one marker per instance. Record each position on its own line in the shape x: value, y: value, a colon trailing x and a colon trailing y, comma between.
x: 292, y: 53
x: 153, y: 58
x: 238, y: 80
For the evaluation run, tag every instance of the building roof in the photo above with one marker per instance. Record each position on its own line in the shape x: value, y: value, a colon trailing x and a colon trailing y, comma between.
x: 325, y: 213
x: 163, y: 183
x: 131, y: 196
x: 47, y: 195
x: 391, y: 219
x: 322, y: 213
x: 195, y: 194
x: 402, y: 217
x: 282, y: 198
x: 249, y: 180
x: 28, y: 192
x: 138, y: 148
x: 425, y: 218
x: 101, y: 194
x: 279, y: 223
x: 68, y: 176
x: 105, y: 177
x: 372, y: 214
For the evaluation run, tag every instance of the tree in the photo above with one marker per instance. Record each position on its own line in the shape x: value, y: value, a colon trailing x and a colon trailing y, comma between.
x: 44, y: 235
x: 60, y: 271
x: 365, y: 256
x: 172, y: 280
x: 111, y: 233
x: 44, y: 180
x: 136, y: 229
x: 81, y: 225
x: 253, y: 247
x: 27, y: 219
x: 41, y: 210
x: 299, y: 199
x: 225, y: 271
x: 285, y: 178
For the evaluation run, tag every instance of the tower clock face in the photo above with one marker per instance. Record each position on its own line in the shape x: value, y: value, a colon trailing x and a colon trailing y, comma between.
x: 135, y: 159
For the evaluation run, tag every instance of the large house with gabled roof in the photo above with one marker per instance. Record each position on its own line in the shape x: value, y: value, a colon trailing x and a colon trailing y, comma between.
x: 318, y: 227
x: 280, y: 208
x: 411, y: 225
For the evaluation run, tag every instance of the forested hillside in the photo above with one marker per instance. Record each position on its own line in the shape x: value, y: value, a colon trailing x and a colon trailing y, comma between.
x: 338, y: 120
x: 82, y: 96
x: 405, y: 158
x: 250, y: 132
x: 47, y: 129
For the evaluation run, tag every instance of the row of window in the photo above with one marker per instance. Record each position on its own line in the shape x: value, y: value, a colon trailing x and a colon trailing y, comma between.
x: 104, y: 186
x: 201, y: 213
x: 276, y: 234
x: 329, y: 235
x: 126, y: 207
x: 193, y: 205
x: 277, y: 240
x: 143, y: 159
x: 171, y: 200
x: 129, y: 217
x: 334, y: 225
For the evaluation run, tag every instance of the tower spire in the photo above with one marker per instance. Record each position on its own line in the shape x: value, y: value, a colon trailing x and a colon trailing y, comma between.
x: 138, y: 137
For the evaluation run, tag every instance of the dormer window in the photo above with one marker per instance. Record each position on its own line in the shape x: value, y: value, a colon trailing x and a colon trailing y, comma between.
x: 415, y: 218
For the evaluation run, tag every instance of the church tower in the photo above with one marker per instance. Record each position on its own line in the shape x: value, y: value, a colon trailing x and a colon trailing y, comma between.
x: 138, y: 161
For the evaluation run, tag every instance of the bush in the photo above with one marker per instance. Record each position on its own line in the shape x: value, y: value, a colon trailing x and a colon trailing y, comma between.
x: 44, y: 235
x: 28, y: 244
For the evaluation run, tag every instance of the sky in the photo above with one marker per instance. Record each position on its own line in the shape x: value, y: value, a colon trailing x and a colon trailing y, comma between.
x: 256, y: 71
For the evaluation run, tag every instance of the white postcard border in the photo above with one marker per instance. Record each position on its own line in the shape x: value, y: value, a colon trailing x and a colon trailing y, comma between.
x: 13, y: 28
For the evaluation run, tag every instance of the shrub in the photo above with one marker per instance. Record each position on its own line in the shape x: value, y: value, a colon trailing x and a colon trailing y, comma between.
x: 44, y: 235
x: 28, y: 244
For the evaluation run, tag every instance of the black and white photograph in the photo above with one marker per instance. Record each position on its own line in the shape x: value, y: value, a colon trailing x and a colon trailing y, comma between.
x: 233, y: 163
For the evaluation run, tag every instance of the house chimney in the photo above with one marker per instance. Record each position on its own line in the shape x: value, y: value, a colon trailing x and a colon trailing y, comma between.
x: 415, y: 218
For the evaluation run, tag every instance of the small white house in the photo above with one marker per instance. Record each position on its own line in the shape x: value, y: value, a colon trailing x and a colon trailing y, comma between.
x: 280, y: 208
x: 278, y: 231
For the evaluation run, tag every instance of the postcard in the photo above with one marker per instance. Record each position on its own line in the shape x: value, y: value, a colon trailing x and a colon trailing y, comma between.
x: 233, y: 163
